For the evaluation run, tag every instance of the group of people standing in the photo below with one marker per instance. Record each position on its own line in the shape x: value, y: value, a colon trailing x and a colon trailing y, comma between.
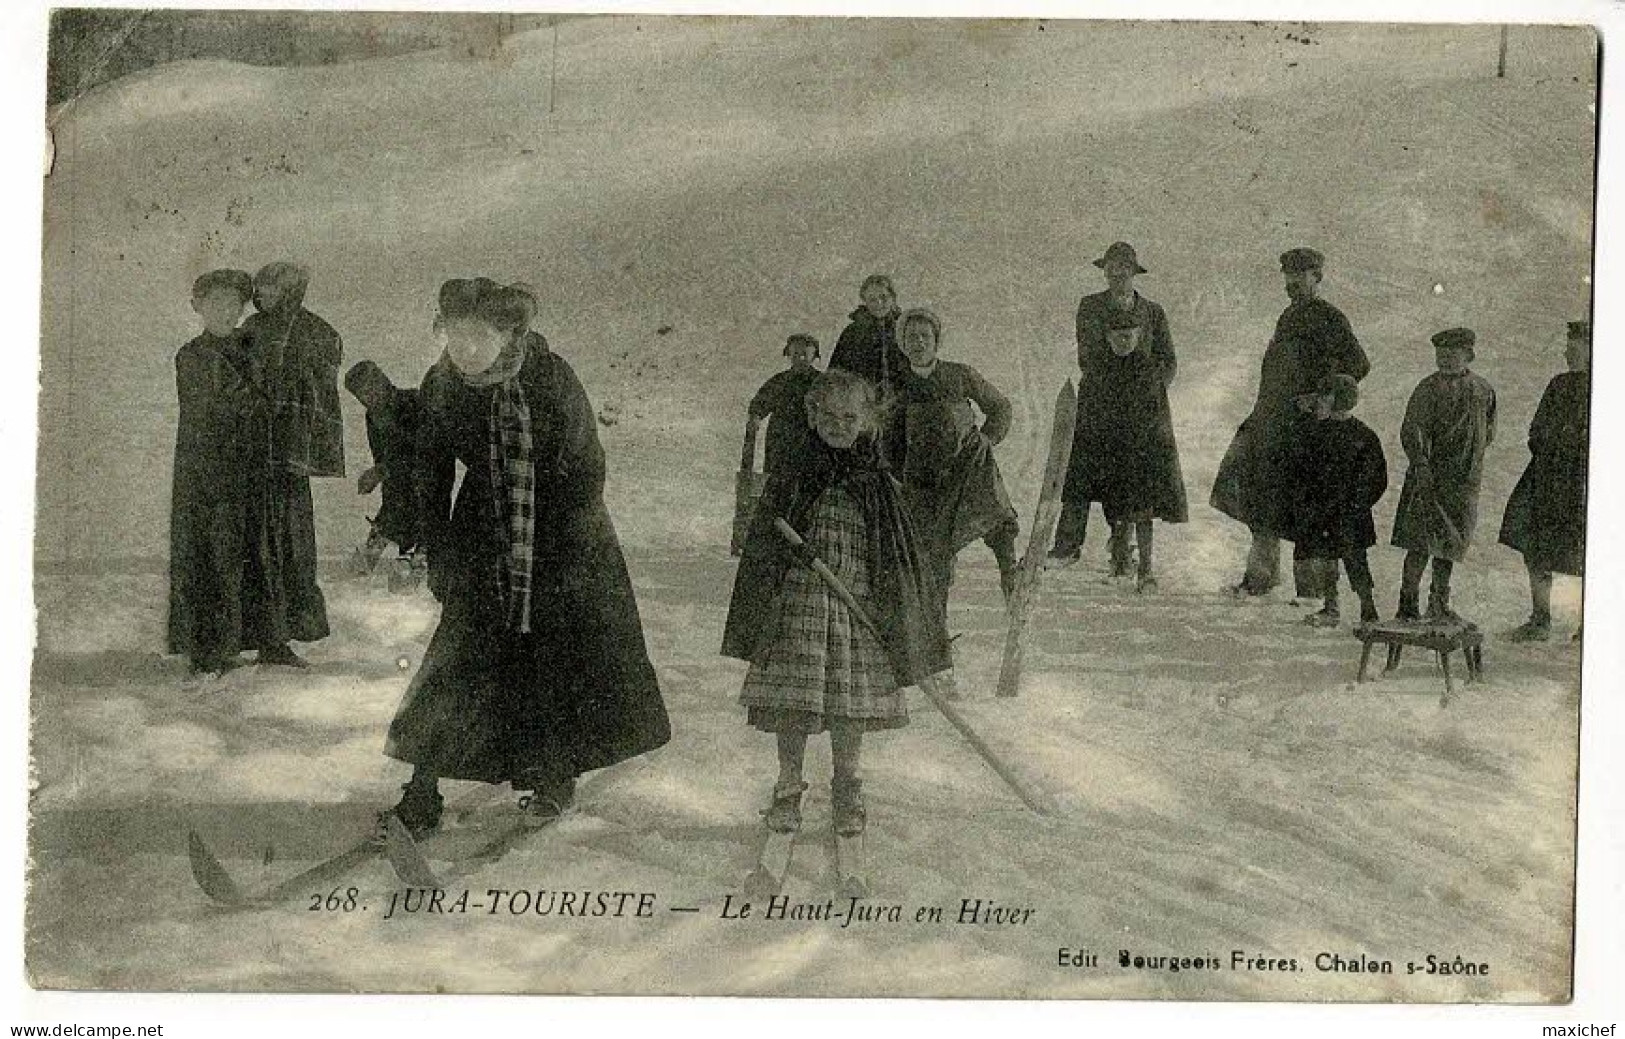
x: 259, y: 418
x: 1302, y: 468
x: 881, y: 467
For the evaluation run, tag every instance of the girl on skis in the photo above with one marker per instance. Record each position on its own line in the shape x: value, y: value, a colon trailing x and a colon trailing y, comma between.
x: 814, y: 665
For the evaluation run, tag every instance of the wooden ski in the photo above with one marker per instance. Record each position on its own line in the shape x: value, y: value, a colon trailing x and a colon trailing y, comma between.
x: 773, y: 857
x: 1044, y: 517
x: 851, y: 879
x: 747, y: 489
x: 221, y: 887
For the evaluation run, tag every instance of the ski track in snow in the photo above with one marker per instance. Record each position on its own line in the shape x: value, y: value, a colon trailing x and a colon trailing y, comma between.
x: 1223, y: 782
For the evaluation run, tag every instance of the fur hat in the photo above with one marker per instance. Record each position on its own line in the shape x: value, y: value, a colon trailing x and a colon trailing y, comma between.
x: 1580, y: 330
x: 226, y: 278
x: 504, y: 308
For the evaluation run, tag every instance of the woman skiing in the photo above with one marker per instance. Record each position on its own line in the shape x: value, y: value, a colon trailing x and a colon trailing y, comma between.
x: 537, y: 672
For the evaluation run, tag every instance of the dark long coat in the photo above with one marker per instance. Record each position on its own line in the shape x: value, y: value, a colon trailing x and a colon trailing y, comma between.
x: 782, y: 400
x: 906, y: 598
x: 1449, y: 423
x: 218, y: 548
x: 578, y: 692
x: 1312, y: 339
x: 951, y: 481
x: 297, y: 356
x: 1341, y: 474
x: 392, y: 432
x: 1123, y: 450
x: 868, y: 347
x: 1545, y: 518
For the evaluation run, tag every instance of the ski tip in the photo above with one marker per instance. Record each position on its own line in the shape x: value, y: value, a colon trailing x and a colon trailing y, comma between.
x: 403, y: 854
x: 210, y: 875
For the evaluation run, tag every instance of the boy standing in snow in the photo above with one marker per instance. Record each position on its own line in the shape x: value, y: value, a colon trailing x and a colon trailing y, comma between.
x: 393, y: 418
x: 221, y: 443
x: 1340, y: 473
x: 782, y: 401
x: 814, y: 665
x: 1546, y: 515
x: 1449, y: 422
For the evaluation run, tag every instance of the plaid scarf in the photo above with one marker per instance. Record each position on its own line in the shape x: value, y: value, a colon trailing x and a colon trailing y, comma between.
x: 513, y: 479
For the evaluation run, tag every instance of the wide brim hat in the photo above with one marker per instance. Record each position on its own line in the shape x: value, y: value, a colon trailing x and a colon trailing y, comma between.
x: 1124, y: 252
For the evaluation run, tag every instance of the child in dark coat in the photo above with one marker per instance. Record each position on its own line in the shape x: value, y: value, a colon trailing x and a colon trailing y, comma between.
x: 393, y: 419
x: 1340, y: 473
x: 782, y: 403
x: 217, y: 594
x: 814, y: 664
x: 1546, y: 515
x: 1449, y: 423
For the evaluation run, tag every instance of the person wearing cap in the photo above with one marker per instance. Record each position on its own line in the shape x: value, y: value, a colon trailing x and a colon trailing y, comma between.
x: 951, y: 480
x: 538, y: 670
x: 298, y: 355
x: 220, y: 449
x: 1341, y: 474
x: 1123, y: 451
x: 1312, y: 340
x: 1545, y: 518
x: 868, y: 345
x: 393, y: 419
x: 1449, y: 423
x: 782, y: 402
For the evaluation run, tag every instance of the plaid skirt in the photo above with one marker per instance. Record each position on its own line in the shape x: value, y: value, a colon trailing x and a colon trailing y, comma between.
x: 821, y: 663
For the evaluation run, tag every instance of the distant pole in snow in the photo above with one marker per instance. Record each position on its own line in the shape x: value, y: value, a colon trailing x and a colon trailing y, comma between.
x: 1501, y: 62
x: 553, y: 69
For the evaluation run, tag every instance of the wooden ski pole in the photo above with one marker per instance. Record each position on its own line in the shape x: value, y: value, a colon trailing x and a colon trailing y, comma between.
x: 819, y: 567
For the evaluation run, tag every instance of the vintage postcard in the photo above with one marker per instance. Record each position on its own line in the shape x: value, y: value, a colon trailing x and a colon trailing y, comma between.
x: 608, y: 505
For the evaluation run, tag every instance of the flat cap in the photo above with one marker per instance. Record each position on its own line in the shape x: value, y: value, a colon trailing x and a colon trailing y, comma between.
x: 1455, y: 339
x: 1302, y: 259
